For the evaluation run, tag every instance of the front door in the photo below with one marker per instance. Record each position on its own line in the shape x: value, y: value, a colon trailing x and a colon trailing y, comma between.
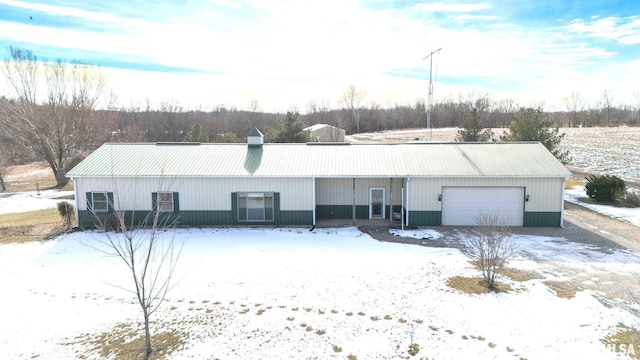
x: 376, y: 203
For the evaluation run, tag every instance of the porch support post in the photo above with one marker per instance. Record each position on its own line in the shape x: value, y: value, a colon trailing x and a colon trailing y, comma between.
x: 353, y: 209
x: 313, y: 186
x: 391, y: 201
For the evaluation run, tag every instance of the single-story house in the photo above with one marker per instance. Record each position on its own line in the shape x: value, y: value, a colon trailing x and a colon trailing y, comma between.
x: 325, y: 133
x: 430, y: 184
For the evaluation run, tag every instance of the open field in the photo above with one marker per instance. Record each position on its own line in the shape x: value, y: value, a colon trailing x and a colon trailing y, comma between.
x: 593, y: 150
x: 29, y: 177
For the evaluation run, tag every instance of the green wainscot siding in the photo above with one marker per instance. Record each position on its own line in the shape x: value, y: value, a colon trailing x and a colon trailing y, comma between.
x: 205, y: 218
x: 425, y: 218
x: 334, y: 211
x: 542, y: 219
x: 296, y: 218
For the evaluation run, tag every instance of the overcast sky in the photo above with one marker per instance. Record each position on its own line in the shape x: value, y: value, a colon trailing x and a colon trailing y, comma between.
x: 284, y: 54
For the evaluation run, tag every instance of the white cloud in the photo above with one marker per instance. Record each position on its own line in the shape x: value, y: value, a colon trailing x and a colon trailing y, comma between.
x: 289, y: 53
x: 444, y: 7
x: 624, y: 30
x: 474, y: 17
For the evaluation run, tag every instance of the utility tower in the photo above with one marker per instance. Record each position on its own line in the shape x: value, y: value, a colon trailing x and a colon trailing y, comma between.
x: 430, y: 94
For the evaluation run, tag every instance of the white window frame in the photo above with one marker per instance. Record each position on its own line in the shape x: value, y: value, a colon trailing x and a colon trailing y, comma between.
x: 96, y: 209
x: 265, y: 213
x: 166, y: 204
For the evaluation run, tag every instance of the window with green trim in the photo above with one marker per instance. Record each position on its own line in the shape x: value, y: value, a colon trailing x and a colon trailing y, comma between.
x: 165, y: 201
x: 255, y: 206
x: 99, y: 201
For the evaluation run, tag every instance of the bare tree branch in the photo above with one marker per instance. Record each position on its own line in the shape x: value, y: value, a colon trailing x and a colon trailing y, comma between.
x: 150, y: 254
x: 53, y: 110
x: 489, y: 246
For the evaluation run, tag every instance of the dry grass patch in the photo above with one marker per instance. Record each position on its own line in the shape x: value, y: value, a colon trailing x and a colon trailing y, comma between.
x: 126, y: 341
x: 414, y: 349
x: 519, y: 275
x: 562, y: 290
x: 629, y: 337
x: 574, y: 181
x: 474, y: 285
x: 30, y: 177
x: 30, y: 226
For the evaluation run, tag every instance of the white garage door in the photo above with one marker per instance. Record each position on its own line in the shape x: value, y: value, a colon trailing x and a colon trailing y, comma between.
x: 460, y: 205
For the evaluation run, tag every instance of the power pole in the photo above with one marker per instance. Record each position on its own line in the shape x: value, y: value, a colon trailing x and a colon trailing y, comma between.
x: 430, y: 96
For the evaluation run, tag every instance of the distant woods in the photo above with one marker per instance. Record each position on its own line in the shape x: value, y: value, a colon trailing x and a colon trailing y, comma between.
x: 59, y: 112
x: 169, y: 122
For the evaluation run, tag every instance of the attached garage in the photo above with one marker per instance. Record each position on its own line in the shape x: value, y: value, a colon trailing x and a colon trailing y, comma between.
x: 428, y: 184
x: 461, y: 205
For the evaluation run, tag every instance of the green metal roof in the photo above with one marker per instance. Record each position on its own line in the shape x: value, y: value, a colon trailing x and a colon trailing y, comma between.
x: 506, y: 159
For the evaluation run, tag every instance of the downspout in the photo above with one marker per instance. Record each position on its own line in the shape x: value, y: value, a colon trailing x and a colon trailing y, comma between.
x: 402, y: 209
x: 313, y: 185
x: 407, y: 202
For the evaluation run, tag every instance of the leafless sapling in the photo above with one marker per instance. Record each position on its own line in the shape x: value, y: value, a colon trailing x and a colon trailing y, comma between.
x: 489, y: 246
x: 149, y: 252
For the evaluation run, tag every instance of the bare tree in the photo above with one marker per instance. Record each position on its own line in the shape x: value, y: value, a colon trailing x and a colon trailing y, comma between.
x: 4, y: 168
x: 636, y: 107
x: 489, y: 246
x: 170, y: 114
x: 352, y: 100
x: 149, y: 252
x: 606, y: 102
x: 575, y: 104
x: 54, y: 103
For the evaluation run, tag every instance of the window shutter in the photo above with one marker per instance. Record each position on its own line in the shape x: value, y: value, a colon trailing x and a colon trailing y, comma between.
x: 154, y: 201
x: 176, y: 202
x: 110, y: 202
x: 89, y: 199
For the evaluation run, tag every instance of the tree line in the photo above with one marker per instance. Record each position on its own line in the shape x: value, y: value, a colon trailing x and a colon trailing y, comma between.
x: 59, y: 112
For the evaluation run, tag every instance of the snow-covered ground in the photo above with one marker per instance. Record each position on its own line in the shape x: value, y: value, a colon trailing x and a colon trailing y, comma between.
x: 32, y: 200
x: 254, y: 293
x: 289, y: 293
x: 631, y: 215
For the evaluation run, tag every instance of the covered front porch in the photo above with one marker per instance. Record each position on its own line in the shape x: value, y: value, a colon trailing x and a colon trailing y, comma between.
x: 358, y: 201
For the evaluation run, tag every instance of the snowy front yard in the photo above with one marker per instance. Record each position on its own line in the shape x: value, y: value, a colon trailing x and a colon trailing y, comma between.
x: 293, y: 294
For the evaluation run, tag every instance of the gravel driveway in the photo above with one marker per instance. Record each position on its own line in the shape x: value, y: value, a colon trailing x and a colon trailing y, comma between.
x: 588, y: 269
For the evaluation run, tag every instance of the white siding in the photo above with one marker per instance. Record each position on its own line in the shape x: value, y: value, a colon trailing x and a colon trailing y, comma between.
x: 545, y: 194
x: 197, y: 193
x: 340, y: 191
